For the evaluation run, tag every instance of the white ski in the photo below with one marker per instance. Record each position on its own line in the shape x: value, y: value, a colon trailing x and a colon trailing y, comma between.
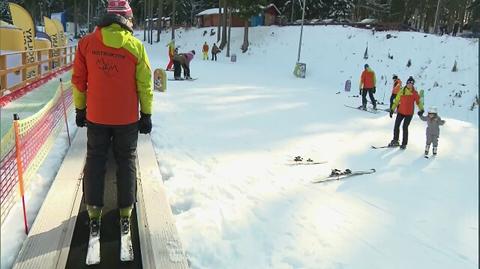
x: 93, y: 252
x: 126, y: 248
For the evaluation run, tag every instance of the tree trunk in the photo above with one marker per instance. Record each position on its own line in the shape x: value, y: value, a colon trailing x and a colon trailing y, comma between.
x: 172, y: 19
x: 224, y: 25
x: 145, y: 20
x: 229, y: 30
x: 75, y: 19
x: 245, y: 37
x: 218, y: 22
x: 151, y: 22
x: 159, y: 21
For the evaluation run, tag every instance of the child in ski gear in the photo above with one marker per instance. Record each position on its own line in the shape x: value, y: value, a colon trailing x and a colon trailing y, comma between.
x: 405, y: 100
x: 112, y: 97
x: 433, y: 128
x: 171, y: 53
x: 183, y: 60
x: 205, y: 51
x: 367, y: 85
x: 215, y: 51
x: 397, y: 85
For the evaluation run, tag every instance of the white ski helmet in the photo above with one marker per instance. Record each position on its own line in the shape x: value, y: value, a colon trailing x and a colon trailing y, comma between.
x: 432, y: 110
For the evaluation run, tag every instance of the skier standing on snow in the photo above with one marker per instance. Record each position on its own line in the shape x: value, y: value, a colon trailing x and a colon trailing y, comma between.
x: 367, y: 85
x: 215, y: 51
x: 397, y: 85
x: 111, y: 76
x: 183, y: 60
x: 405, y: 100
x: 433, y: 128
x: 205, y: 49
x: 171, y: 53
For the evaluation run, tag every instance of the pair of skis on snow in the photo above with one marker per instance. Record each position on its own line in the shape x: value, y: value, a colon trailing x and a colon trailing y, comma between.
x: 126, y: 247
x: 337, y: 174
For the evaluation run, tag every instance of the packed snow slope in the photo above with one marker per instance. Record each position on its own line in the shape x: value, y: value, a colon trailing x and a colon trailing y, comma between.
x: 224, y: 142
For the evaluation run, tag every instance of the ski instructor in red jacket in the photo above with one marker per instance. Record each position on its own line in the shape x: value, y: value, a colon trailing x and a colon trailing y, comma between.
x: 367, y: 85
x: 404, y: 102
x: 111, y: 83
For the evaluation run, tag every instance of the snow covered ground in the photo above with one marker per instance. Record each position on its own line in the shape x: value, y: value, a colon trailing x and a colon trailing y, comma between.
x: 224, y: 141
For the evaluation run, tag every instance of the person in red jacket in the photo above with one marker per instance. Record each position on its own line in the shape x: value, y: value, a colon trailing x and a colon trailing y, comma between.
x: 397, y: 85
x: 111, y: 82
x: 205, y: 49
x: 404, y: 102
x: 367, y: 85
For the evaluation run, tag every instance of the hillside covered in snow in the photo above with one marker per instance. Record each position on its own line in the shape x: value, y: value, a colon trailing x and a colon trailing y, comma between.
x: 225, y: 143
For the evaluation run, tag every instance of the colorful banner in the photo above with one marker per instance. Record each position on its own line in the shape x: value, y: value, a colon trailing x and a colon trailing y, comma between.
x: 61, y: 33
x: 52, y: 30
x: 22, y: 19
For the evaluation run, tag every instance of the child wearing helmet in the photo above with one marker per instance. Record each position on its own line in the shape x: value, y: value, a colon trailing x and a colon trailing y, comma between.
x: 433, y: 129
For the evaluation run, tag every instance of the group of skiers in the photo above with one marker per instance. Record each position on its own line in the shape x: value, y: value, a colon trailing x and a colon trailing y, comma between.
x: 179, y: 61
x: 215, y: 51
x: 182, y: 60
x: 402, y: 100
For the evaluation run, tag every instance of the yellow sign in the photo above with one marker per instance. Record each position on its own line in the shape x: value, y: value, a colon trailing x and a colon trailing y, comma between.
x: 22, y: 19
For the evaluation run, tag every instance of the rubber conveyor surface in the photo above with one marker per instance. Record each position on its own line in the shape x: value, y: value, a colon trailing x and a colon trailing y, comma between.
x: 110, y: 231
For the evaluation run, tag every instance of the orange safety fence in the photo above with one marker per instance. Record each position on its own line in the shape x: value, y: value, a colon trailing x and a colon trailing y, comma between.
x: 27, y: 148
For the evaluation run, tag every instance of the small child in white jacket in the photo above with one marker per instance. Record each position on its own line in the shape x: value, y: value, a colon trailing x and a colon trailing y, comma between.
x: 433, y: 129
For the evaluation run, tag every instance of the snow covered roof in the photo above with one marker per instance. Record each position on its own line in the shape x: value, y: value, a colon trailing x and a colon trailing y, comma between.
x: 368, y: 21
x: 209, y: 11
x: 274, y: 6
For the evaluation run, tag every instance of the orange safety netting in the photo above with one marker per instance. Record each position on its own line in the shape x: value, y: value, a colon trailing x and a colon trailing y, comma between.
x: 37, y: 134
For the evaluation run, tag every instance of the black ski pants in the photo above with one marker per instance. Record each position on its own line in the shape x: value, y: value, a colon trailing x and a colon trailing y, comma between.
x: 177, y: 69
x: 214, y: 56
x: 364, y: 97
x: 396, y: 130
x: 123, y: 138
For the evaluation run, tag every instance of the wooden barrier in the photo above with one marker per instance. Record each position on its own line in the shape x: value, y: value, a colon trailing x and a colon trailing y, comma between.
x: 58, y: 58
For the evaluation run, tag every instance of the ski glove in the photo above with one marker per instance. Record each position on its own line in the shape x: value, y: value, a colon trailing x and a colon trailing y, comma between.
x: 81, y: 117
x: 391, y: 113
x: 360, y: 91
x: 374, y: 89
x: 145, y: 123
x: 420, y: 113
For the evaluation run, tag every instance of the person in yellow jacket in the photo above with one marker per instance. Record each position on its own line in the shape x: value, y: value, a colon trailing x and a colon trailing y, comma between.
x: 205, y: 49
x: 171, y: 53
x: 112, y: 81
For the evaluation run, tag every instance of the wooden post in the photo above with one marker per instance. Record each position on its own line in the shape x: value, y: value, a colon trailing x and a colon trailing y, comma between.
x: 24, y: 62
x: 18, y: 151
x: 3, y: 78
x: 39, y: 66
x: 50, y: 62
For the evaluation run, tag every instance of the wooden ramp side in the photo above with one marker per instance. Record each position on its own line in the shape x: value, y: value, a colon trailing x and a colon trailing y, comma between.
x: 48, y: 241
x: 159, y: 241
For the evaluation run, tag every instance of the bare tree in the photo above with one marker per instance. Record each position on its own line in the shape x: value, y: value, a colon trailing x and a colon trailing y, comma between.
x: 219, y: 15
x: 224, y: 25
x: 159, y: 21
x: 172, y: 18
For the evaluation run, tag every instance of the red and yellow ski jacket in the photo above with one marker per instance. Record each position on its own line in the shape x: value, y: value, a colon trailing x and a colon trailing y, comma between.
x: 397, y: 85
x: 205, y: 48
x: 111, y: 76
x: 405, y: 101
x: 367, y: 79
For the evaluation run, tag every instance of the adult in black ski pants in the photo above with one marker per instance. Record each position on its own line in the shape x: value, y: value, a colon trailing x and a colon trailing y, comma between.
x: 123, y: 139
x: 396, y: 129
